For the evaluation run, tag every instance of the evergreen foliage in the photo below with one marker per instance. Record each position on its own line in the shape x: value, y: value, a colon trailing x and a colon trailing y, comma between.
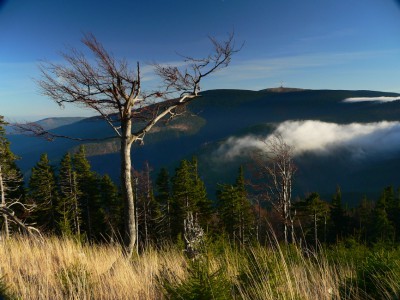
x: 313, y: 212
x: 163, y: 198
x: 200, y: 284
x: 363, y: 217
x: 382, y: 228
x: 234, y: 210
x: 43, y: 193
x: 337, y: 217
x: 89, y: 194
x: 188, y: 196
x: 68, y: 206
x: 111, y: 209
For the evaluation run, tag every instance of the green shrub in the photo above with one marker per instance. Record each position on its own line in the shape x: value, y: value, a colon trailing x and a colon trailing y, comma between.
x: 200, y: 284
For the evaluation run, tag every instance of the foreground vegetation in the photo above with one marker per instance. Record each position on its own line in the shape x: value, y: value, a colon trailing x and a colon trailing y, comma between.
x: 54, y: 268
x: 189, y: 247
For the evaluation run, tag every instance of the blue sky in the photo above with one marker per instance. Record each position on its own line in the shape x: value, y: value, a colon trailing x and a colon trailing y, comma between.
x: 329, y: 44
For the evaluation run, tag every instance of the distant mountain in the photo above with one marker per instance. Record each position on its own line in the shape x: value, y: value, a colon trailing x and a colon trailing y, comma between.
x: 220, y: 118
x: 50, y: 123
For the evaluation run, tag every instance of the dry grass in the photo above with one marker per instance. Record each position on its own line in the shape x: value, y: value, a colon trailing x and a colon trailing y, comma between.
x: 276, y: 274
x: 56, y: 268
x: 63, y: 269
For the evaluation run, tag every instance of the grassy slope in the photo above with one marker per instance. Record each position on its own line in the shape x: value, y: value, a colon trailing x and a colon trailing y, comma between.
x: 63, y: 269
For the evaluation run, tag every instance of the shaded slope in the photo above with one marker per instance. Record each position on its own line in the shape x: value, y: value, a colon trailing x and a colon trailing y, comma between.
x: 225, y: 113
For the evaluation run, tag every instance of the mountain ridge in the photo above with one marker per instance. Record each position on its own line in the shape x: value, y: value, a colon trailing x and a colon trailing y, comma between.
x: 221, y: 114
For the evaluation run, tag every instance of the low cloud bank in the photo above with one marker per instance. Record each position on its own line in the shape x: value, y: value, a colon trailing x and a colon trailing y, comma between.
x: 381, y: 99
x: 324, y: 138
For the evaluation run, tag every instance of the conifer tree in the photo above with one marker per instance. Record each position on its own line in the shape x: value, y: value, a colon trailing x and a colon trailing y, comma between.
x: 337, y: 217
x: 234, y: 209
x: 228, y: 209
x: 89, y: 198
x: 163, y: 198
x: 316, y: 212
x: 363, y: 218
x: 188, y: 196
x: 68, y: 206
x: 203, y: 204
x: 393, y: 210
x: 382, y: 228
x: 43, y: 192
x: 111, y: 208
x: 182, y: 201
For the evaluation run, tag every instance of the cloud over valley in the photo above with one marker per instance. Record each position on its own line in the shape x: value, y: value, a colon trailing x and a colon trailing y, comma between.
x: 381, y: 99
x: 360, y: 139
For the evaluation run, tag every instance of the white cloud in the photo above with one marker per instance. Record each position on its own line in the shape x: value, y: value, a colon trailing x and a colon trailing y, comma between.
x: 359, y: 139
x: 234, y: 147
x: 381, y: 99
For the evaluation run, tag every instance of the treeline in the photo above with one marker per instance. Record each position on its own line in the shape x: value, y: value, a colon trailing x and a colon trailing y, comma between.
x: 73, y: 200
x: 70, y: 199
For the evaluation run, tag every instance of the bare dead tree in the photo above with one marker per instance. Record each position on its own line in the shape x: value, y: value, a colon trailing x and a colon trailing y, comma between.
x: 9, y: 182
x: 276, y: 163
x: 114, y: 90
x: 193, y: 236
x: 3, y: 203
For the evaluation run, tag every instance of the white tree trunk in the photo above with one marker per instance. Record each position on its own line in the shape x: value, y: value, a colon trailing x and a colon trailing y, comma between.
x: 130, y: 236
x: 3, y: 204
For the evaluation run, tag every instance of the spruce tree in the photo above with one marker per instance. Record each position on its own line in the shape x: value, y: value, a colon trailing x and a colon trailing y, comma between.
x: 182, y: 201
x: 382, y: 227
x: 163, y: 198
x: 43, y: 192
x: 68, y: 206
x: 203, y: 208
x: 235, y: 210
x: 188, y: 196
x: 337, y: 217
x: 364, y: 216
x: 314, y: 211
x: 89, y: 199
x: 393, y: 210
x: 228, y: 209
x: 111, y: 208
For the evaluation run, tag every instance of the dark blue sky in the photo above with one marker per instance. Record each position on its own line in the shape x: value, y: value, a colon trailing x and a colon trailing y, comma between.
x: 333, y: 44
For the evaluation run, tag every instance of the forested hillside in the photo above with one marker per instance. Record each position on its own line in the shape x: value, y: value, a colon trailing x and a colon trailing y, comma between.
x: 224, y: 119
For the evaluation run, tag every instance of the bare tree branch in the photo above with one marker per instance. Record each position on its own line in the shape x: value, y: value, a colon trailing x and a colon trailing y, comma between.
x: 109, y: 87
x: 35, y: 130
